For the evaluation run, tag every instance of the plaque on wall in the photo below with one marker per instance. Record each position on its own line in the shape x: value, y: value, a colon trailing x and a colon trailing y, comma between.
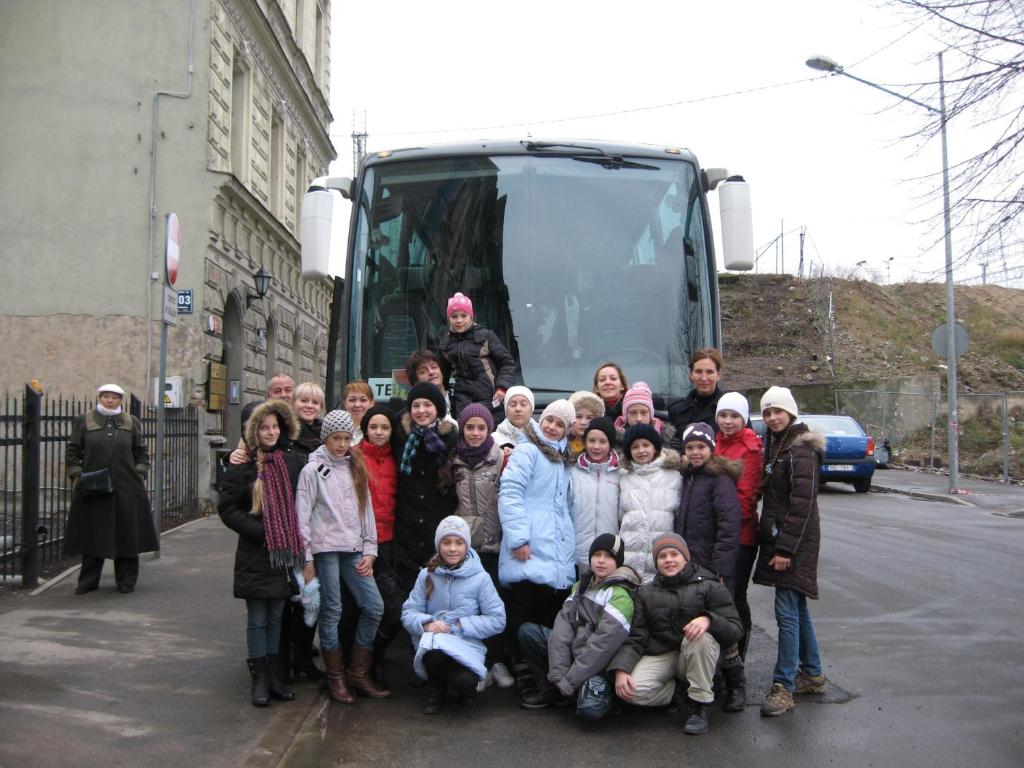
x: 216, y: 386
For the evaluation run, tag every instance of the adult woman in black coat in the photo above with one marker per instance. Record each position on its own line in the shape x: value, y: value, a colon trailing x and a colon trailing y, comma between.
x: 257, y: 501
x: 117, y: 524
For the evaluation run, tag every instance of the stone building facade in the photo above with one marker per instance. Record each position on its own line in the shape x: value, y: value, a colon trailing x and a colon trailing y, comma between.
x: 118, y: 112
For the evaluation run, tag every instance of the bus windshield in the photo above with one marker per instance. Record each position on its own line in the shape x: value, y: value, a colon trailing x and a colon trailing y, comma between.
x: 572, y: 261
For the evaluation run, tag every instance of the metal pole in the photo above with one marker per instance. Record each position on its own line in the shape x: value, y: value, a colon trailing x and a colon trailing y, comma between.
x: 1006, y: 438
x: 931, y: 450
x: 953, y: 427
x: 158, y: 459
x: 32, y: 421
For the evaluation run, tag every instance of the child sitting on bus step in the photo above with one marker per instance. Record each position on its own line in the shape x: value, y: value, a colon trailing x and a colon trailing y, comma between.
x: 588, y: 406
x: 638, y: 408
x: 594, y: 500
x: 519, y: 405
x: 649, y: 490
x: 483, y: 367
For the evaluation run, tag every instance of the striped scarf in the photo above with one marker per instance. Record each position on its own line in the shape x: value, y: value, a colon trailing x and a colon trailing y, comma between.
x: 432, y: 442
x: 280, y: 523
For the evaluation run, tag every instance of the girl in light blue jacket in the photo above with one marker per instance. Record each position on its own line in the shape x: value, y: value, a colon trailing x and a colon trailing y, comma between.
x: 536, y: 564
x: 452, y: 609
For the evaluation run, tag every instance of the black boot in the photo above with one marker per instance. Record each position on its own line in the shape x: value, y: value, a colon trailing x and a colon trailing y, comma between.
x: 696, y: 718
x: 735, y: 688
x: 463, y: 682
x: 275, y: 682
x: 260, y: 681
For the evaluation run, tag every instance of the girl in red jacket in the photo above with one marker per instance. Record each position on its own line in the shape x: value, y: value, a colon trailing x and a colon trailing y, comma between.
x: 735, y: 440
x: 380, y: 436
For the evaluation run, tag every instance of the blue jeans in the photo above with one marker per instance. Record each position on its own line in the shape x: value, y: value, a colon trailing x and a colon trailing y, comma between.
x: 797, y: 642
x: 263, y: 626
x: 332, y: 568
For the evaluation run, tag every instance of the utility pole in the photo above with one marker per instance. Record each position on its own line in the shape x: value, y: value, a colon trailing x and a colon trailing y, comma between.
x: 358, y: 142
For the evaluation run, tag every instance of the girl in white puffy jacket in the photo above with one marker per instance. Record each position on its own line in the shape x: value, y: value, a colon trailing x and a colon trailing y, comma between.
x: 594, y: 500
x: 649, y: 490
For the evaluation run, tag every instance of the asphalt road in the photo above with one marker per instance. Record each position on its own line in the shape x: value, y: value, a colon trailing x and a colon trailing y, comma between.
x: 921, y: 621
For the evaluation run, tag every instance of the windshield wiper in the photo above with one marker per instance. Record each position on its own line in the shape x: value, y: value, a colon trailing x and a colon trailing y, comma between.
x: 614, y: 163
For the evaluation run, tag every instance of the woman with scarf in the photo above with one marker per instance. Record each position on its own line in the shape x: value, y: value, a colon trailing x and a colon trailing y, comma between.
x: 110, y: 516
x: 425, y: 495
x: 257, y: 501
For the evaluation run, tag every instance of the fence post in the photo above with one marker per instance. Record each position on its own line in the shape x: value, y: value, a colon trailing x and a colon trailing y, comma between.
x: 1006, y: 438
x: 30, y: 434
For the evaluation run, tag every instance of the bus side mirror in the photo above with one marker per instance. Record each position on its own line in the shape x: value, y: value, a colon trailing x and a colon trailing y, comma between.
x: 737, y: 224
x: 317, y: 222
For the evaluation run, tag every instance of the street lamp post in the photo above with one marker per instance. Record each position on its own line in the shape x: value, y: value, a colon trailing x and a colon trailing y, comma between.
x: 825, y: 64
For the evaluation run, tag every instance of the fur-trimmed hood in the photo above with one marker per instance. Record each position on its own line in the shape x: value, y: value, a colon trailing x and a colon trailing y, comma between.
x: 444, y: 426
x: 286, y: 417
x: 669, y: 458
x: 798, y: 434
x: 715, y: 466
x: 530, y: 434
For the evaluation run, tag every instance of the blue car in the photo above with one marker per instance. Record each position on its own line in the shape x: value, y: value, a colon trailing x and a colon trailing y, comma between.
x: 849, y: 450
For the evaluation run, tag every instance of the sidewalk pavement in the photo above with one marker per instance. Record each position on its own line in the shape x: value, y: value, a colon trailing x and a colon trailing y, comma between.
x: 156, y: 677
x: 990, y: 495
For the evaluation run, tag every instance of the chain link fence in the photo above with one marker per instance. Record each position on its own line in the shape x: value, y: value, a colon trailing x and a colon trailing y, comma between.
x: 990, y: 428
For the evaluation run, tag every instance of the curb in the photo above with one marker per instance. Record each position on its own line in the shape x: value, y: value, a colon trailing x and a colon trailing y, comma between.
x: 307, y: 744
x: 923, y: 495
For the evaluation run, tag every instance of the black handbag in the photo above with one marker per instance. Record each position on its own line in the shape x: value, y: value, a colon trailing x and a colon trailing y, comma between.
x: 99, y: 482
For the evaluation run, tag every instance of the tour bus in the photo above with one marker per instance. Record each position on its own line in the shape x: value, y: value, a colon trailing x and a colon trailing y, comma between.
x: 574, y: 252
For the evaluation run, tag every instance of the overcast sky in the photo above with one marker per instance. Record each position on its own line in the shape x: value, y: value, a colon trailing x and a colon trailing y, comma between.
x: 826, y: 153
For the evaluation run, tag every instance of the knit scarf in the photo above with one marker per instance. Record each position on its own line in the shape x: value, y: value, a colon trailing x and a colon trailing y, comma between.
x: 473, y: 456
x: 280, y: 523
x: 108, y: 411
x: 430, y: 439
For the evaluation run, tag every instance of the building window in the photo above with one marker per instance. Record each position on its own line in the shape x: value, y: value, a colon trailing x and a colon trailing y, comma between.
x: 239, y: 116
x: 276, y: 164
x: 318, y: 71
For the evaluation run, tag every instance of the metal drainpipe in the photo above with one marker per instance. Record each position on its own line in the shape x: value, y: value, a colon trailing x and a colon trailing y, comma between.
x: 151, y: 264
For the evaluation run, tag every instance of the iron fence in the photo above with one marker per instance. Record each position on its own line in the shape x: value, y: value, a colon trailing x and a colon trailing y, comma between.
x: 35, y: 494
x: 990, y: 428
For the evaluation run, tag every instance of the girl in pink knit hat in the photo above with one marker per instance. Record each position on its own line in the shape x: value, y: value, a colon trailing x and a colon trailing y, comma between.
x: 483, y: 367
x: 638, y: 408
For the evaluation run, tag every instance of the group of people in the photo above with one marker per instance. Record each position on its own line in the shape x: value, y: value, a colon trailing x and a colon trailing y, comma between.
x: 592, y: 554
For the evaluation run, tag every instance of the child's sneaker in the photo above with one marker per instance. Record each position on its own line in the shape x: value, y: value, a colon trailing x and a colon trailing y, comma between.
x: 485, y: 682
x: 501, y: 676
x: 809, y: 683
x: 779, y: 701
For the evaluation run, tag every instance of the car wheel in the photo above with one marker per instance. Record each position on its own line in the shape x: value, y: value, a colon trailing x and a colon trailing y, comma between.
x: 862, y: 484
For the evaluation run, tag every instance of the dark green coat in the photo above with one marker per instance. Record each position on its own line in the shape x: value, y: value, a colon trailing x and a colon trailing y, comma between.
x: 119, y: 524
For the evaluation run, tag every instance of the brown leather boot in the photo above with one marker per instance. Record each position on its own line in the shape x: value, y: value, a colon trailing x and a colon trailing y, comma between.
x: 359, y: 674
x: 336, y: 676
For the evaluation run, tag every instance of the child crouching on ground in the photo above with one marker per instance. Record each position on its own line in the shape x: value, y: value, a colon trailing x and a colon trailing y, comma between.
x: 450, y: 616
x: 681, y: 620
x: 572, y: 657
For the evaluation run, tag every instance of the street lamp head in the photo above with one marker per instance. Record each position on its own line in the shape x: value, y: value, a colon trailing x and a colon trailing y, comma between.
x: 262, y: 280
x: 824, y: 64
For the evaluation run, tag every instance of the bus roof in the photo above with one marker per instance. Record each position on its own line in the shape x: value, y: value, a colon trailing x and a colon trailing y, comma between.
x: 531, y: 146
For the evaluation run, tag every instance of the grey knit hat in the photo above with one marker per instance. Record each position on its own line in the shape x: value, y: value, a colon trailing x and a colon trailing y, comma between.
x: 453, y: 525
x: 337, y: 421
x: 667, y: 540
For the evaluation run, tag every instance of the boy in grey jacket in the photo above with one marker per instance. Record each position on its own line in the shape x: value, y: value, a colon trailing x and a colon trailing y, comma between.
x: 571, y: 658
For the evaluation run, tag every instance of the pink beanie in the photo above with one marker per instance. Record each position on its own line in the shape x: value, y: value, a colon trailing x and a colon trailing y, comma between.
x: 459, y: 303
x: 638, y: 394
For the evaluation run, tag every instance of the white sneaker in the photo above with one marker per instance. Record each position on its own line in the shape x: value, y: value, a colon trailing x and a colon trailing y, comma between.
x: 501, y: 676
x: 484, y: 682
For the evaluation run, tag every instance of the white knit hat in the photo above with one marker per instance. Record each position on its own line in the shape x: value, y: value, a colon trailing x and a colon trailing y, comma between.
x: 781, y: 398
x: 519, y: 389
x: 110, y: 388
x: 584, y: 398
x: 337, y: 421
x: 453, y: 525
x: 562, y: 410
x: 734, y: 401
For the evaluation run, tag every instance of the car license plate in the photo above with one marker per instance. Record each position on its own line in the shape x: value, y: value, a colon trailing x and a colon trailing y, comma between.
x: 839, y: 467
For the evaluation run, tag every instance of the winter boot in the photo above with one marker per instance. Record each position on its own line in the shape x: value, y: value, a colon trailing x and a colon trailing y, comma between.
x: 696, y: 718
x: 260, y: 683
x: 735, y: 687
x: 434, y: 704
x: 359, y: 674
x: 336, y: 676
x: 779, y: 701
x: 302, y: 649
x: 275, y: 678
